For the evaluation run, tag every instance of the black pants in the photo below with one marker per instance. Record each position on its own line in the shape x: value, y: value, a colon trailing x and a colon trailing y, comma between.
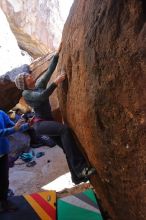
x: 4, y: 177
x: 62, y: 135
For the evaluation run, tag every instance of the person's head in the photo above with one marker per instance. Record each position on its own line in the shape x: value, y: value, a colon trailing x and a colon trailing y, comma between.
x: 24, y: 81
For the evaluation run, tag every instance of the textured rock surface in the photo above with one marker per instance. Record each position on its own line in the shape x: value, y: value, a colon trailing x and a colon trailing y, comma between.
x: 104, y: 97
x: 9, y: 49
x: 9, y: 94
x: 36, y: 24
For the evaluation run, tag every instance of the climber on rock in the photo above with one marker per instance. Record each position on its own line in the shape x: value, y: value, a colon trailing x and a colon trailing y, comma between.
x: 36, y: 95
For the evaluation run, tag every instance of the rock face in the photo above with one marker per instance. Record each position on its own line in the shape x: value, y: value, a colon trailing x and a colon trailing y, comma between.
x: 9, y: 49
x: 36, y: 24
x: 104, y: 98
x: 9, y: 94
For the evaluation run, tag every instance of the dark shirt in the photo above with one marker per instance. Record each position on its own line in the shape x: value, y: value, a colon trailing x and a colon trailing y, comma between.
x: 41, y: 108
x: 38, y: 98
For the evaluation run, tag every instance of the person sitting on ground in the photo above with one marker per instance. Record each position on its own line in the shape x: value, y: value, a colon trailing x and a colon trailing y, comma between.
x: 7, y: 127
x: 36, y: 96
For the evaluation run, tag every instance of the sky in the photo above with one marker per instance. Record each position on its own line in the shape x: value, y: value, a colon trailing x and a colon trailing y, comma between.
x: 65, y: 7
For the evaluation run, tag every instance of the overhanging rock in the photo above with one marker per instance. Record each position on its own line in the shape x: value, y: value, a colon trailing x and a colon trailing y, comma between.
x: 104, y: 97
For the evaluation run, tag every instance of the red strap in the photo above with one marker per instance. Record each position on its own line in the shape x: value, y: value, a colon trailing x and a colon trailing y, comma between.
x: 34, y: 120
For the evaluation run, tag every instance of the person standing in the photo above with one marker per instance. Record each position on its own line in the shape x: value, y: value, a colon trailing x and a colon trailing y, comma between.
x: 7, y: 127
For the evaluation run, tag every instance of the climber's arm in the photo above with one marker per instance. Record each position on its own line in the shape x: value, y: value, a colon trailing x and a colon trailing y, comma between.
x: 43, y: 80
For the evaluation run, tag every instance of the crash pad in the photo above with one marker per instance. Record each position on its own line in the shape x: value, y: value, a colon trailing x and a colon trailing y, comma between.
x: 82, y: 206
x: 36, y: 206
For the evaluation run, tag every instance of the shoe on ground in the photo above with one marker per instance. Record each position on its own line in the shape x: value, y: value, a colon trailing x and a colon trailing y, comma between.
x: 86, y: 172
x: 7, y: 206
x: 31, y: 163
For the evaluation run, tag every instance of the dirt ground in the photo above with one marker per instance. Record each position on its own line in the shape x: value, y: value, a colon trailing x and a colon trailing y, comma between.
x: 50, y: 173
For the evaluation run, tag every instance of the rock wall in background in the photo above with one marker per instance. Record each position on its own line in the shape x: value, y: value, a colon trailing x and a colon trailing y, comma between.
x: 11, y: 56
x: 9, y: 94
x: 104, y: 98
x: 36, y: 24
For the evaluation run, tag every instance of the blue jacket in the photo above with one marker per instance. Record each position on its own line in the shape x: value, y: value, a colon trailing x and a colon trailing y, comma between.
x: 7, y: 128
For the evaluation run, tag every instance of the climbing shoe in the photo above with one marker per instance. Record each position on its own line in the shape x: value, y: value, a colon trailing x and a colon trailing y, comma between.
x: 86, y: 172
x: 27, y: 157
x: 77, y: 181
x: 40, y: 154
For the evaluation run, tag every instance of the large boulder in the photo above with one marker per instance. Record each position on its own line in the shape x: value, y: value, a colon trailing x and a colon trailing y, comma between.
x: 11, y: 56
x: 9, y: 94
x: 103, y: 98
x: 37, y: 24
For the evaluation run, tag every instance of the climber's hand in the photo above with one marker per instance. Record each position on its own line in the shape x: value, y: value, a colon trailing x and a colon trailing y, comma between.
x: 60, y: 78
x: 18, y: 124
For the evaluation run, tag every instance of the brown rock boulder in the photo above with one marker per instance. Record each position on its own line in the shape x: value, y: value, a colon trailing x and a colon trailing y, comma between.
x: 37, y: 25
x: 9, y: 94
x: 104, y: 98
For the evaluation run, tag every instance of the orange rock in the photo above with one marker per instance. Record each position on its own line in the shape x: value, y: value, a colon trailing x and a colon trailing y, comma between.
x: 103, y: 54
